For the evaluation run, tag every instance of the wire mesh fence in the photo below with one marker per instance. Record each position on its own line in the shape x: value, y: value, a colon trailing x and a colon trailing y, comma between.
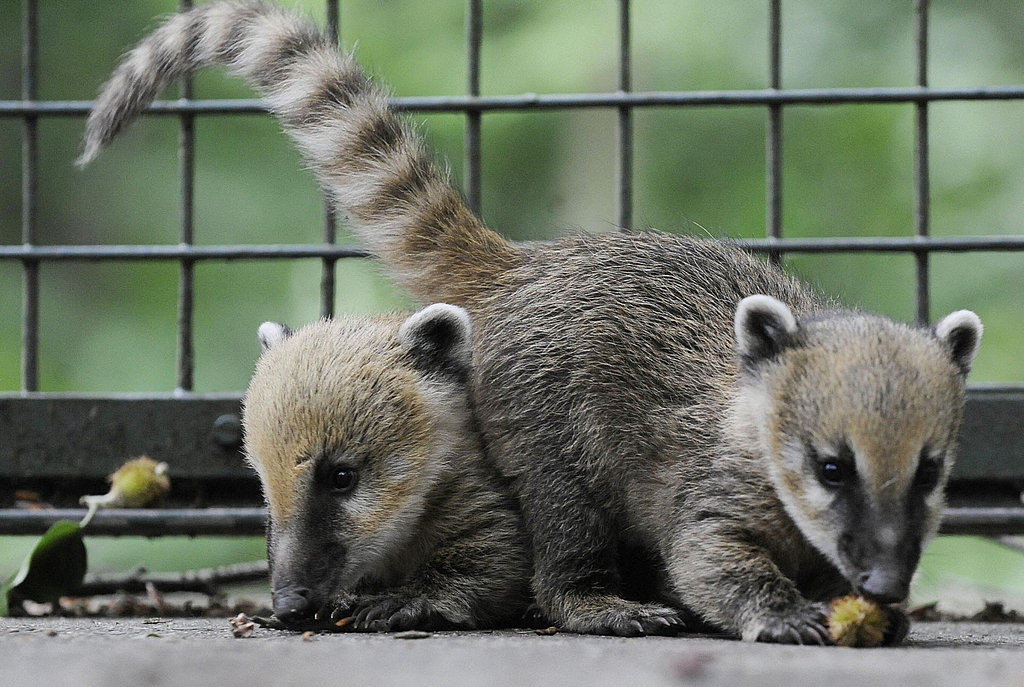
x: 991, y: 471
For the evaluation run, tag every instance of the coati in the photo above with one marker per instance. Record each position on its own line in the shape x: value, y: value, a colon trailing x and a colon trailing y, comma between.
x: 765, y: 448
x: 381, y: 506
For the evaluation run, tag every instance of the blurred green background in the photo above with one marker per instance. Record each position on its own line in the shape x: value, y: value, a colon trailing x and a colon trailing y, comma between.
x: 847, y: 170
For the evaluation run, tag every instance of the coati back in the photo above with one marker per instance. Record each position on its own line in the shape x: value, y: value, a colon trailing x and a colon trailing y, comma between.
x: 667, y: 394
x: 381, y: 506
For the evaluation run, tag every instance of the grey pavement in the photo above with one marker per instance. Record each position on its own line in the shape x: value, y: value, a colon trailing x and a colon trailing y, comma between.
x: 59, y: 652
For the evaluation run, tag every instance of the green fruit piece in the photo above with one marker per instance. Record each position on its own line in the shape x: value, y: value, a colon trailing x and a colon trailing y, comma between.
x: 136, y: 484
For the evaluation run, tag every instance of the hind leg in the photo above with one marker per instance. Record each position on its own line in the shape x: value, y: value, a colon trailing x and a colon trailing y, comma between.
x: 577, y: 581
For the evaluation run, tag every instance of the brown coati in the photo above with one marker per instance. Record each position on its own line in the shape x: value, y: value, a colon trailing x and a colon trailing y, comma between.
x: 381, y: 507
x: 764, y: 448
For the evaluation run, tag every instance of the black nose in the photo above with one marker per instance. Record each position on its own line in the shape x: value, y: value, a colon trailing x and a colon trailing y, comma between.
x: 883, y: 586
x: 292, y: 603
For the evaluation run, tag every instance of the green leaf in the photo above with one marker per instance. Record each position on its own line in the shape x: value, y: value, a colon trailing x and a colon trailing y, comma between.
x: 54, y: 568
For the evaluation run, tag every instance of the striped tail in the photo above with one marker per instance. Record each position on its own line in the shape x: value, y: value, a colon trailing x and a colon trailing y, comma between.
x: 372, y: 165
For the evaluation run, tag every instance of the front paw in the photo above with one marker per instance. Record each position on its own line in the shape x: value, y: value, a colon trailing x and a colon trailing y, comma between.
x: 899, y: 626
x: 608, y: 615
x: 386, y: 613
x: 806, y: 624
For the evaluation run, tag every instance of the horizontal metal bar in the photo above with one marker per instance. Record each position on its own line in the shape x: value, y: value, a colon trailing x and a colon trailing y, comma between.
x: 991, y: 441
x: 51, y: 437
x: 206, y: 580
x: 885, y: 244
x: 533, y: 101
x: 858, y: 244
x: 193, y: 522
x: 986, y: 521
x: 56, y: 436
x: 90, y: 253
x: 156, y: 522
x: 81, y: 108
x: 211, y: 397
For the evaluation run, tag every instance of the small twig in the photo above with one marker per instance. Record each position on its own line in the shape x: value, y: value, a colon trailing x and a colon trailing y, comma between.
x: 305, y: 625
x: 205, y: 581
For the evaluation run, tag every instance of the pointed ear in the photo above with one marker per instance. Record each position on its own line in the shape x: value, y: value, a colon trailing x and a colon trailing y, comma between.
x: 440, y: 339
x: 961, y: 332
x: 272, y: 333
x: 764, y: 327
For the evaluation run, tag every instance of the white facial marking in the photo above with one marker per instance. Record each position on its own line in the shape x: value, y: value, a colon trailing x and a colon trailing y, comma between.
x: 805, y: 507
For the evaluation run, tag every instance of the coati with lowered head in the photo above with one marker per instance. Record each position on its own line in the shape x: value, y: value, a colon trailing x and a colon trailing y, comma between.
x: 766, y: 449
x: 381, y: 507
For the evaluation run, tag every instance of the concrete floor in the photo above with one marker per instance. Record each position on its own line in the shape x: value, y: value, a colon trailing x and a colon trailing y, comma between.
x: 59, y: 652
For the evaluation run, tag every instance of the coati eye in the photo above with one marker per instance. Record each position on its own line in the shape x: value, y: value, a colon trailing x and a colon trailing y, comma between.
x: 834, y: 473
x: 343, y: 480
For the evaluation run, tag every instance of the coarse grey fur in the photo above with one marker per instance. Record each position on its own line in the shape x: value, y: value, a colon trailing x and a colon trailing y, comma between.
x: 668, y: 397
x: 381, y: 506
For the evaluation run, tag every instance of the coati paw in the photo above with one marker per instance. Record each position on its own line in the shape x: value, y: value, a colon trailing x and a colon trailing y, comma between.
x: 806, y: 624
x: 899, y: 626
x: 388, y: 613
x: 623, y: 618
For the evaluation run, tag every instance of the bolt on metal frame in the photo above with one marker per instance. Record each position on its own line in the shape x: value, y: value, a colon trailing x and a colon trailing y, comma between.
x: 985, y: 405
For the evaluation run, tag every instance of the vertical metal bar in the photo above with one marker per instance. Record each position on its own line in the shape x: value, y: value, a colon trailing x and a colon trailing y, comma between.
x: 773, y: 138
x: 327, y: 289
x: 624, y: 169
x: 186, y: 281
x: 29, y: 193
x: 922, y: 191
x: 474, y: 39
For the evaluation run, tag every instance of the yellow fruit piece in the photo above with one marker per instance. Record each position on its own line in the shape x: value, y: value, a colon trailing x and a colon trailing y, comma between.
x: 856, y: 621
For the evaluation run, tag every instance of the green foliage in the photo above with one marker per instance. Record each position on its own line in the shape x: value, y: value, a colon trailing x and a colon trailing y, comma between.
x: 54, y: 568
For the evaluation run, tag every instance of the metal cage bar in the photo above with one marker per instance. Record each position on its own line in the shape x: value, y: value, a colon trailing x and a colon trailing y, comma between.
x: 624, y: 156
x: 29, y: 197
x: 922, y: 205
x: 562, y: 101
x: 251, y: 521
x: 773, y: 136
x: 472, y: 153
x: 186, y: 270
x: 291, y: 251
x: 327, y: 269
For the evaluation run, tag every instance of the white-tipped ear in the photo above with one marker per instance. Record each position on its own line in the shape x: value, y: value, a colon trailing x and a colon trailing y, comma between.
x: 764, y: 326
x: 272, y: 333
x: 440, y: 338
x: 961, y: 332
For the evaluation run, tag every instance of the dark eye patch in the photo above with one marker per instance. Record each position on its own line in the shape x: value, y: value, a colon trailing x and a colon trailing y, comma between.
x: 929, y: 470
